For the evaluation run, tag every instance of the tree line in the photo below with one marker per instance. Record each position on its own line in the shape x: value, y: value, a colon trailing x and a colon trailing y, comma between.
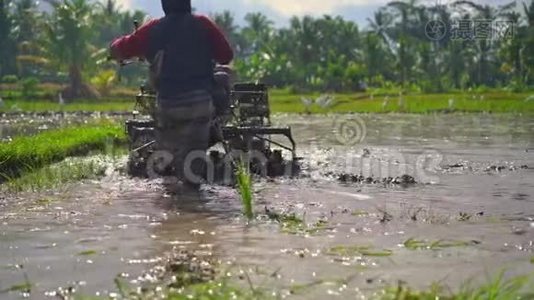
x: 405, y: 44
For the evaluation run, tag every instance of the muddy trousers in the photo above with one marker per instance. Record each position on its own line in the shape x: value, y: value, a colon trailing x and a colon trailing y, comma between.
x: 184, y: 132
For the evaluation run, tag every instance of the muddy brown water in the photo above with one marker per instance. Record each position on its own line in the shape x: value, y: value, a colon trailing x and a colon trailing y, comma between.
x: 475, y: 191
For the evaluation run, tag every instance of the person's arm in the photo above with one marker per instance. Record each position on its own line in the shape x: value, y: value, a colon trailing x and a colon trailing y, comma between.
x: 132, y: 45
x: 222, y: 51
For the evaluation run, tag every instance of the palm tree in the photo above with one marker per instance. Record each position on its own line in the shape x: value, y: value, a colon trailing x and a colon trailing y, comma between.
x: 529, y: 13
x: 379, y: 48
x: 303, y: 34
x: 258, y: 30
x: 67, y: 34
x: 126, y: 19
x: 226, y: 21
x: 259, y: 24
x: 107, y: 22
x: 404, y: 10
x: 435, y: 62
x: 528, y: 50
x: 484, y: 12
x: 8, y: 48
x: 380, y: 23
x: 511, y: 47
x: 338, y: 35
x: 27, y: 21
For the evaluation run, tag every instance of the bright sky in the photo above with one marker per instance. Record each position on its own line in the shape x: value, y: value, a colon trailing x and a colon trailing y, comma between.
x: 281, y: 10
x: 290, y: 8
x: 277, y: 10
x: 284, y: 7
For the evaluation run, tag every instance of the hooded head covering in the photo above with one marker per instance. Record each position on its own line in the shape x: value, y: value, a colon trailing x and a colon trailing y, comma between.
x: 176, y: 6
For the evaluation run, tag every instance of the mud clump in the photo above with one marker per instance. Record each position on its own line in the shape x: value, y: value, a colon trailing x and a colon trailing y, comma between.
x: 178, y: 270
x: 404, y: 180
x: 495, y: 168
x: 182, y: 269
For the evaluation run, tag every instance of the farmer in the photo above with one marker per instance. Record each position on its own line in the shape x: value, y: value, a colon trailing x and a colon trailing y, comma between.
x: 183, y: 49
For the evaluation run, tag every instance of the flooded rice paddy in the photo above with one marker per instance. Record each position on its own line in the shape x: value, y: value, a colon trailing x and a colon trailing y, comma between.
x: 469, y: 216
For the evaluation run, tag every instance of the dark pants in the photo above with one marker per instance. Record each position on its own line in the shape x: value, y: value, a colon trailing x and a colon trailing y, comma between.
x: 184, y: 131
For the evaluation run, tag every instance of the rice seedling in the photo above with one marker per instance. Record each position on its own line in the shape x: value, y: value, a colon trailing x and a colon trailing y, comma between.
x: 24, y: 288
x: 302, y: 288
x: 44, y: 201
x: 87, y: 253
x: 414, y: 244
x: 358, y: 250
x: 360, y: 213
x: 244, y: 184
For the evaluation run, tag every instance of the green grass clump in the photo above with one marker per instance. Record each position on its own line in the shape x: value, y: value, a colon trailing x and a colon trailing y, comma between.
x: 244, y: 184
x: 25, y: 154
x: 292, y: 224
x: 532, y: 260
x: 55, y: 175
x: 498, y: 289
x: 414, y: 244
x: 358, y: 250
x: 214, y: 291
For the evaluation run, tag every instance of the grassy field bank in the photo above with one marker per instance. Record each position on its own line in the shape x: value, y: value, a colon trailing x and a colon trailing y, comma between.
x: 25, y: 154
x: 85, y: 105
x: 493, y: 101
x: 282, y: 101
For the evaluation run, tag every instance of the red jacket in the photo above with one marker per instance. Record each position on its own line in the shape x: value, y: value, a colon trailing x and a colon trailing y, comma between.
x: 136, y: 44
